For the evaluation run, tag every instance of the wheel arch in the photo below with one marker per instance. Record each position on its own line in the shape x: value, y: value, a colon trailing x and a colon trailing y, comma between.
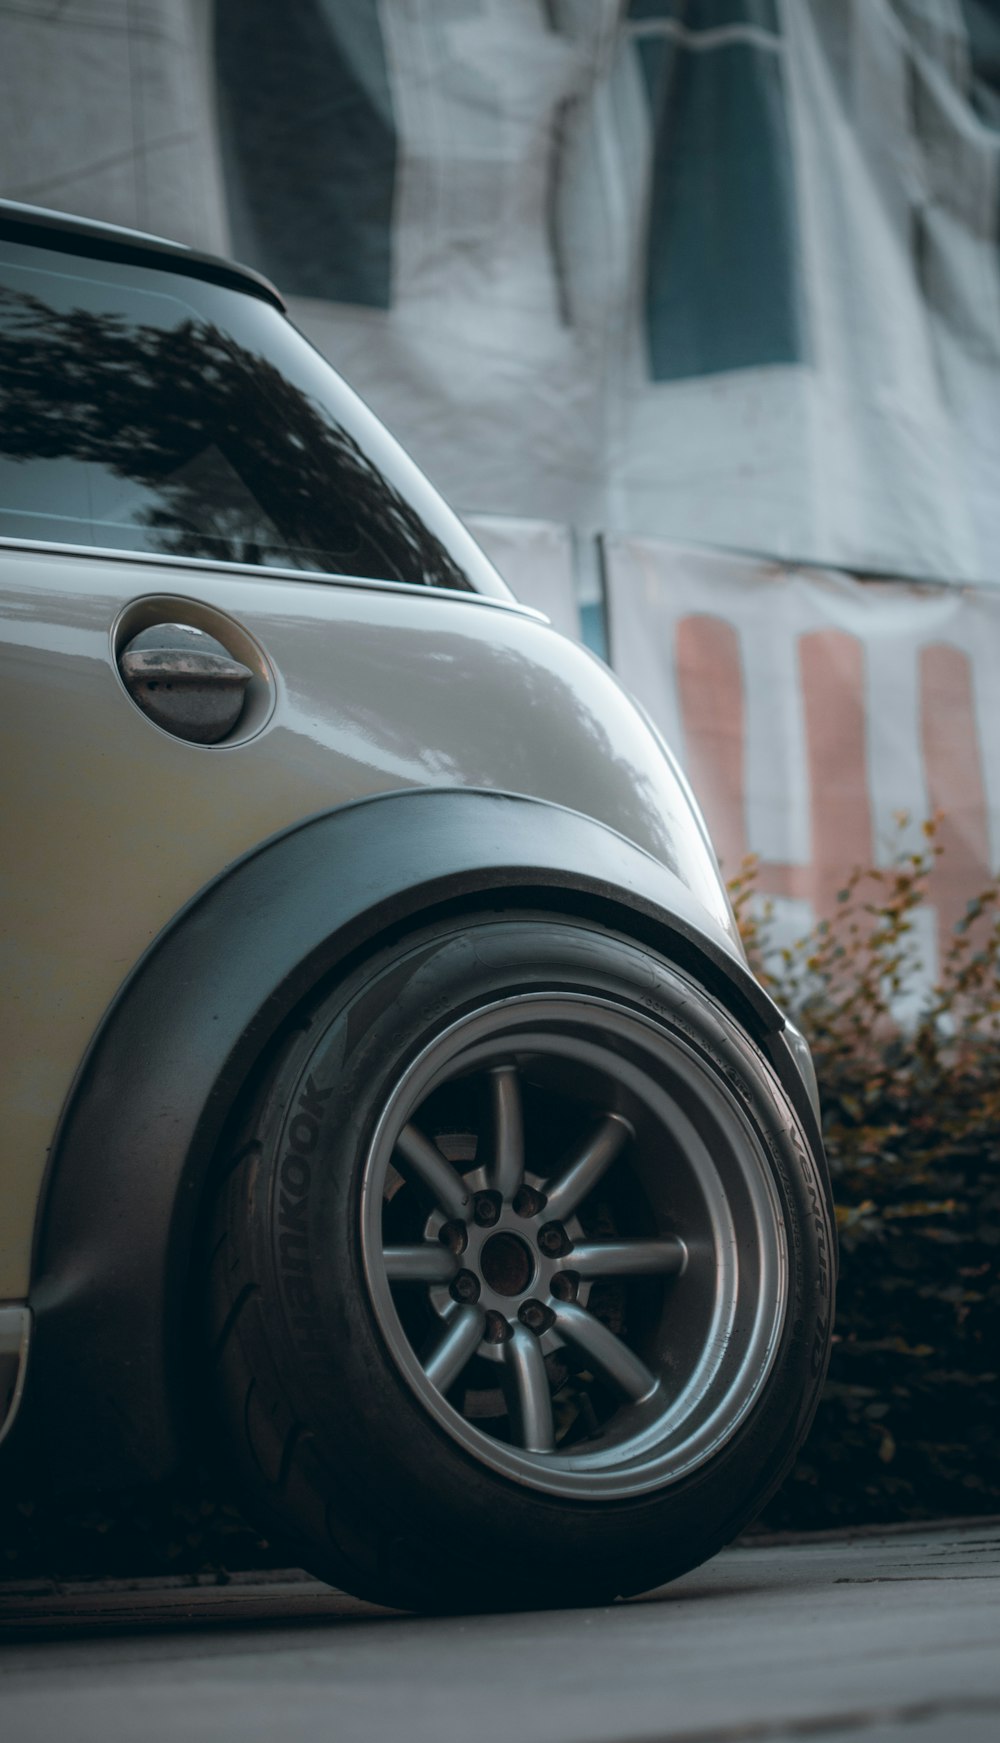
x: 180, y: 1042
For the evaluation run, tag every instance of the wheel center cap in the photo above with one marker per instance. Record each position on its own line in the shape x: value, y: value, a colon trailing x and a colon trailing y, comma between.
x: 506, y: 1264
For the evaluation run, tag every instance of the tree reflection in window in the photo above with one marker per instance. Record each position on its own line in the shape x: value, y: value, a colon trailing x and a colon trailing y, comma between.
x: 182, y: 441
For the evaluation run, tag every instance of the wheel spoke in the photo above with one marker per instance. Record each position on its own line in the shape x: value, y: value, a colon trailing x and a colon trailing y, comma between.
x: 428, y: 1263
x: 605, y: 1350
x: 508, y: 1132
x: 425, y: 1160
x: 456, y: 1348
x: 585, y: 1171
x: 531, y: 1404
x: 628, y: 1258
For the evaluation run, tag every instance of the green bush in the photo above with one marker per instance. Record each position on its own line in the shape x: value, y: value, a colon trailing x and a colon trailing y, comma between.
x: 909, y: 1424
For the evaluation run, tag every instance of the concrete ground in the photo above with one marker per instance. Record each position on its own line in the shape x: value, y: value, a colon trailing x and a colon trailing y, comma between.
x: 885, y: 1639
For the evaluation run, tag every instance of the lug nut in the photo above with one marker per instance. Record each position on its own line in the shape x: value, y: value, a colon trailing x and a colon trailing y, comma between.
x: 465, y: 1287
x: 486, y: 1209
x: 563, y: 1286
x: 454, y: 1236
x: 528, y: 1202
x: 553, y: 1240
x: 497, y: 1329
x: 536, y: 1316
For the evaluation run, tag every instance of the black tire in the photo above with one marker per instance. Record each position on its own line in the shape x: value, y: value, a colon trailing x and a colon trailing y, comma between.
x: 338, y: 1451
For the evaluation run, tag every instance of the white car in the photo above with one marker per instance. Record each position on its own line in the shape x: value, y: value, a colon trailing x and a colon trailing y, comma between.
x: 386, y: 1091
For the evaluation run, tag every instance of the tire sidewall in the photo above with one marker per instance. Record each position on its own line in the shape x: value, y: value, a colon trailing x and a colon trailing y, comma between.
x: 373, y: 1443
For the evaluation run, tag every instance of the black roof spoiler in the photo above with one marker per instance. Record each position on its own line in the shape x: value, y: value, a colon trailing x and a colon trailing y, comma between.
x: 86, y: 236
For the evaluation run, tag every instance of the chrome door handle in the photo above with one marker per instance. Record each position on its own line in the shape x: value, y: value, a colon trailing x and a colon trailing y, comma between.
x: 185, y: 681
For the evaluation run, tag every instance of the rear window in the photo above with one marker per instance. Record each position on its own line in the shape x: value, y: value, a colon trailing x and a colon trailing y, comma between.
x: 143, y: 411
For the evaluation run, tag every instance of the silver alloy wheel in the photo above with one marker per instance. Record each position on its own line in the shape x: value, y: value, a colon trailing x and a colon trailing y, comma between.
x: 573, y: 1245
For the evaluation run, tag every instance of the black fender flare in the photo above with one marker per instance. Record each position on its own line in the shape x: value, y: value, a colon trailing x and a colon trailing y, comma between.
x: 180, y: 1041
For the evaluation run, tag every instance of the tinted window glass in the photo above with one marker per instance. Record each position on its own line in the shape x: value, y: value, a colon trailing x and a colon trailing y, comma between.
x: 310, y: 185
x: 723, y: 208
x: 144, y: 411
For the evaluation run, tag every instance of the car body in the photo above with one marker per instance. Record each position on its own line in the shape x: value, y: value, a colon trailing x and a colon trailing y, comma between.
x: 196, y: 511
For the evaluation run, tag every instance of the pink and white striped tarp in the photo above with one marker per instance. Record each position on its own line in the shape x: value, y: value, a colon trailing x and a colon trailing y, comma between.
x: 810, y: 708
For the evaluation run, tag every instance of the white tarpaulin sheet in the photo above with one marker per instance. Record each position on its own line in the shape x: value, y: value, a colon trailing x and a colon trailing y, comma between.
x: 809, y: 710
x: 713, y: 270
x: 718, y: 270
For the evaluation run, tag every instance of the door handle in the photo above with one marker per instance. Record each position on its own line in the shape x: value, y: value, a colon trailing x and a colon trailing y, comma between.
x: 185, y: 681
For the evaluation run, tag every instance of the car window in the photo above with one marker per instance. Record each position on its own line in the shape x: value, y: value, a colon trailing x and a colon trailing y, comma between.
x: 143, y: 411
